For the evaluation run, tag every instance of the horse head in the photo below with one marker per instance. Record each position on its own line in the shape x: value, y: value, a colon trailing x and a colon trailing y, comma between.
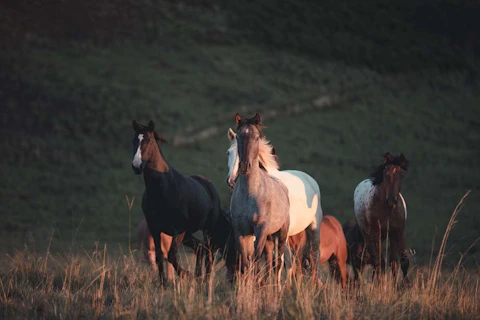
x: 143, y: 143
x: 248, y: 141
x: 392, y: 170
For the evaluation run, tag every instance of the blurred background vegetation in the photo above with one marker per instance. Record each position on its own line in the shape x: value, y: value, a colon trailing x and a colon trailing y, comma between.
x: 73, y: 75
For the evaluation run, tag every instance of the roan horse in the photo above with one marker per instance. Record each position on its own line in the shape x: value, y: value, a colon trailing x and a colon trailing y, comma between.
x: 381, y: 211
x: 303, y: 192
x: 260, y: 204
x: 172, y: 203
x: 333, y: 248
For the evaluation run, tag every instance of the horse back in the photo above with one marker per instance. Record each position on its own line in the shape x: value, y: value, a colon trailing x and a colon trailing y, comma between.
x: 212, y: 208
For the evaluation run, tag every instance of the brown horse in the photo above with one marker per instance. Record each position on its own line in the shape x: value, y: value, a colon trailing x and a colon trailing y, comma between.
x: 333, y: 248
x: 173, y: 203
x: 380, y: 210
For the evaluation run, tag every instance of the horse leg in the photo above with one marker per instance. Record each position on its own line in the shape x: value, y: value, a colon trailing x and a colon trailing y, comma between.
x: 209, y: 251
x: 159, y: 256
x: 198, y: 261
x: 313, y: 248
x: 404, y: 261
x: 165, y: 244
x: 245, y: 250
x: 341, y: 255
x: 373, y: 249
x: 268, y: 251
x: 172, y: 254
x: 260, y: 242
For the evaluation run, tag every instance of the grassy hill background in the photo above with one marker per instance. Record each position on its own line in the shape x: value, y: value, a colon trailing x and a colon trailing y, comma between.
x: 74, y: 74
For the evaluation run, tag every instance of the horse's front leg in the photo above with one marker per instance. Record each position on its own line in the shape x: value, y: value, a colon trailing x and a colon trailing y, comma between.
x: 172, y: 254
x: 373, y: 248
x: 260, y: 241
x: 159, y: 256
x: 404, y: 261
x: 269, y: 247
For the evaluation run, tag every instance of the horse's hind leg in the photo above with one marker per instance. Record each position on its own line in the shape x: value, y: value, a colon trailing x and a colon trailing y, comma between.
x: 313, y: 248
x: 281, y: 244
x: 198, y: 260
x: 209, y: 254
x: 172, y: 254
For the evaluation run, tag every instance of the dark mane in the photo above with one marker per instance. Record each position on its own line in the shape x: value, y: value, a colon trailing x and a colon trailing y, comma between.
x: 399, y: 161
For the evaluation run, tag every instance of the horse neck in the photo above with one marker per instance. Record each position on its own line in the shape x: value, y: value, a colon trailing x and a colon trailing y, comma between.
x: 253, y: 179
x: 379, y: 197
x: 157, y: 161
x: 157, y: 172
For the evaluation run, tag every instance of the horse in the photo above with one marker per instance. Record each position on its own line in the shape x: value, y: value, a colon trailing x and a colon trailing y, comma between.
x: 303, y: 191
x: 380, y: 210
x: 173, y: 203
x: 259, y: 204
x: 333, y: 248
x: 223, y: 240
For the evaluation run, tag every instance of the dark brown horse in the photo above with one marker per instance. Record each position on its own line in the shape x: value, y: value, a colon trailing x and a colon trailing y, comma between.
x: 380, y: 210
x: 223, y: 238
x: 358, y: 257
x: 333, y: 248
x: 173, y: 203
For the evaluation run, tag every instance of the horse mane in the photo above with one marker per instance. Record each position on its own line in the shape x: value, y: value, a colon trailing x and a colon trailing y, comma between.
x: 266, y: 156
x: 377, y: 175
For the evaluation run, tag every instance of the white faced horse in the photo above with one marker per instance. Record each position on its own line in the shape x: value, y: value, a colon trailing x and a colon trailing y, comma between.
x: 303, y: 192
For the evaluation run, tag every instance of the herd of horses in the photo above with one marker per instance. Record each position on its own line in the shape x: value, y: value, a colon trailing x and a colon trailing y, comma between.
x: 273, y: 213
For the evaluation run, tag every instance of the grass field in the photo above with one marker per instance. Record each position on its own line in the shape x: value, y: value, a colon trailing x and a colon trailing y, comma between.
x: 68, y: 96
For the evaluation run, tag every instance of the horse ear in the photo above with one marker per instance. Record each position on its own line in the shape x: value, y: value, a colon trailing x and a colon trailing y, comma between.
x: 231, y: 134
x: 135, y: 126
x: 257, y: 119
x: 387, y: 157
x: 238, y: 119
x: 151, y: 126
x: 159, y: 137
x: 403, y: 162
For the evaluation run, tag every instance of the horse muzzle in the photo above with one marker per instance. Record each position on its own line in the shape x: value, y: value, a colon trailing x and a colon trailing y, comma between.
x: 138, y: 170
x: 245, y: 168
x: 230, y: 183
x: 391, y: 202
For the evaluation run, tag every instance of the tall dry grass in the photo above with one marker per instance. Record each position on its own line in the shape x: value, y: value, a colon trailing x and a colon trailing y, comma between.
x: 95, y: 284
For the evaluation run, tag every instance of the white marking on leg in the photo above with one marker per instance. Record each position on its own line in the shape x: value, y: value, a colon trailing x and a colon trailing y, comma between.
x: 137, y: 159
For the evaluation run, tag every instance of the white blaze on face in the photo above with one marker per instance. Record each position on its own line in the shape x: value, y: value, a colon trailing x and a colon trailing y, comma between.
x: 137, y: 159
x: 232, y: 161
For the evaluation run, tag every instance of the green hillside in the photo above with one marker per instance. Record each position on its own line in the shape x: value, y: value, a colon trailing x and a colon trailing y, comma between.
x: 68, y: 97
